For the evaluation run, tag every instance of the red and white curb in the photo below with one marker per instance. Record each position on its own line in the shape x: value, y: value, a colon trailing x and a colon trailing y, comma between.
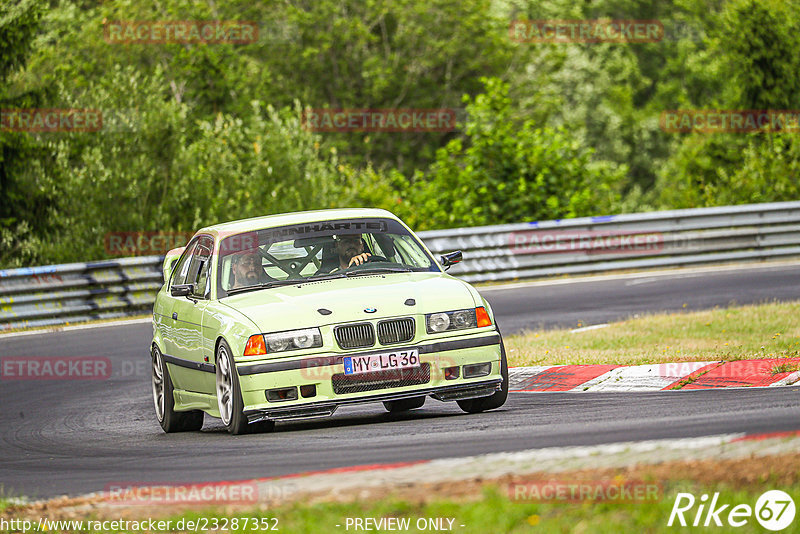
x: 658, y: 377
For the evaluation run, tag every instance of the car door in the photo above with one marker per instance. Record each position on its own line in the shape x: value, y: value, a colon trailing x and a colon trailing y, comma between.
x: 191, y: 370
x: 165, y: 303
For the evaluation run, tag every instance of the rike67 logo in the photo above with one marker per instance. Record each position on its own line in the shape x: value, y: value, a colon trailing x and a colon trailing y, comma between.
x: 774, y: 510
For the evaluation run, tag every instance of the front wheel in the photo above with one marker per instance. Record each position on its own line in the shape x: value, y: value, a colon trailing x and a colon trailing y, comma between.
x: 229, y: 396
x: 492, y: 401
x: 164, y: 400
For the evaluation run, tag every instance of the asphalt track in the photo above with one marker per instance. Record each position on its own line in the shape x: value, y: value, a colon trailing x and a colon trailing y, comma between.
x: 69, y: 437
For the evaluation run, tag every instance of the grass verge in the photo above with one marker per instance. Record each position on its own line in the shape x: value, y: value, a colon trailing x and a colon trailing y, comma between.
x: 6, y: 500
x: 497, y: 512
x: 499, y: 508
x: 493, y: 505
x: 768, y: 330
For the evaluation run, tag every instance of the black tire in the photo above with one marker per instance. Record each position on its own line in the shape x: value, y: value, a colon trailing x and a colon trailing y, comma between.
x: 164, y: 400
x: 495, y: 400
x: 403, y: 405
x: 229, y: 396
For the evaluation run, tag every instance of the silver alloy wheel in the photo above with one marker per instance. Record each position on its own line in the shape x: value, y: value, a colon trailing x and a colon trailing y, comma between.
x: 158, y: 384
x: 224, y: 386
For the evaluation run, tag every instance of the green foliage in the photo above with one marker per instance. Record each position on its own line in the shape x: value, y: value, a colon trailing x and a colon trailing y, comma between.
x: 23, y: 208
x: 152, y: 168
x: 766, y: 171
x: 757, y: 43
x: 200, y: 133
x: 389, y: 54
x: 731, y: 169
x: 507, y: 171
x: 760, y: 40
x: 19, y: 19
x: 118, y: 179
x: 610, y: 95
x: 261, y: 164
x: 330, y: 53
x: 19, y: 247
x: 770, y: 172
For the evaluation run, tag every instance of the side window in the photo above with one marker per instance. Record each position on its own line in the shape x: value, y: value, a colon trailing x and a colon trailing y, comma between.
x: 409, y: 252
x: 383, y: 245
x: 199, y: 266
x: 202, y: 288
x: 182, y: 268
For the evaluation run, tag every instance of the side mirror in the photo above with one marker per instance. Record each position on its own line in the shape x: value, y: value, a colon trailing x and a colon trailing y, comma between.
x: 451, y: 258
x: 181, y: 290
x: 169, y: 262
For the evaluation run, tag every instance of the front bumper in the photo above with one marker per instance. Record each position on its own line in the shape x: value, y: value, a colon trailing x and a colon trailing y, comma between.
x: 325, y: 409
x: 322, y: 371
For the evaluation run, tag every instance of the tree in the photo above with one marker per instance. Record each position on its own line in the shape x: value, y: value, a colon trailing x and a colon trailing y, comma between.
x: 756, y: 43
x: 760, y: 41
x: 24, y: 207
x: 504, y: 170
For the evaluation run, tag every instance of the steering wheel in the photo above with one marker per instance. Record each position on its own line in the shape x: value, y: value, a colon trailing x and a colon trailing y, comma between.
x: 375, y: 258
x: 370, y: 259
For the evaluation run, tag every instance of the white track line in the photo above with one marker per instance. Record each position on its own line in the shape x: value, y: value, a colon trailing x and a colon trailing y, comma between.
x: 675, y: 272
x: 587, y: 328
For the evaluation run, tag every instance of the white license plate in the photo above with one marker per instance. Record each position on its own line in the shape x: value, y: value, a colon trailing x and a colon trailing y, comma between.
x: 402, y: 359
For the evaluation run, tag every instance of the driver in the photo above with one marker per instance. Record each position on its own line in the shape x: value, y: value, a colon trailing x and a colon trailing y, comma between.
x: 247, y: 269
x: 350, y: 250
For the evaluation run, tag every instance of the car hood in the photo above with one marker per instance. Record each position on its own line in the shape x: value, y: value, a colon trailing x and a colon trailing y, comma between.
x: 290, y: 307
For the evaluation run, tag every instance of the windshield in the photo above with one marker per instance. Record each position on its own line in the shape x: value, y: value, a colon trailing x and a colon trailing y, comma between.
x: 328, y: 249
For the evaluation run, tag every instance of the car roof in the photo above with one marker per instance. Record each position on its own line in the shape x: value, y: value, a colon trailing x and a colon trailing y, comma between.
x: 300, y: 217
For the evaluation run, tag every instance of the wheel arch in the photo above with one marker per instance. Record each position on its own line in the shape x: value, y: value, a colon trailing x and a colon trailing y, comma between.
x: 220, y: 339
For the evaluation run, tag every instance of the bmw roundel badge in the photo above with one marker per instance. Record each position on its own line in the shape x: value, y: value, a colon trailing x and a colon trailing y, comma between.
x: 370, y: 310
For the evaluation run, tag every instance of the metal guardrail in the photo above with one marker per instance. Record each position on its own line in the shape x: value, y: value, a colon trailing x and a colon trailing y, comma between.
x: 58, y: 294
x: 76, y: 292
x: 594, y: 244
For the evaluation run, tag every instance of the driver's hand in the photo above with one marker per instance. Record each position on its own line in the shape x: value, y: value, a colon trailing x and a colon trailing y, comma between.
x: 359, y: 259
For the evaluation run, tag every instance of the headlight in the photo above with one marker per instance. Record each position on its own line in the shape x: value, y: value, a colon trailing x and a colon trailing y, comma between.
x: 438, y: 322
x: 293, y: 340
x: 453, y: 320
x: 463, y: 319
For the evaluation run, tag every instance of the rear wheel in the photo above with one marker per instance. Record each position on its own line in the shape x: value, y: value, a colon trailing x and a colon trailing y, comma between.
x: 492, y: 401
x: 229, y: 396
x: 164, y: 400
x: 403, y: 405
